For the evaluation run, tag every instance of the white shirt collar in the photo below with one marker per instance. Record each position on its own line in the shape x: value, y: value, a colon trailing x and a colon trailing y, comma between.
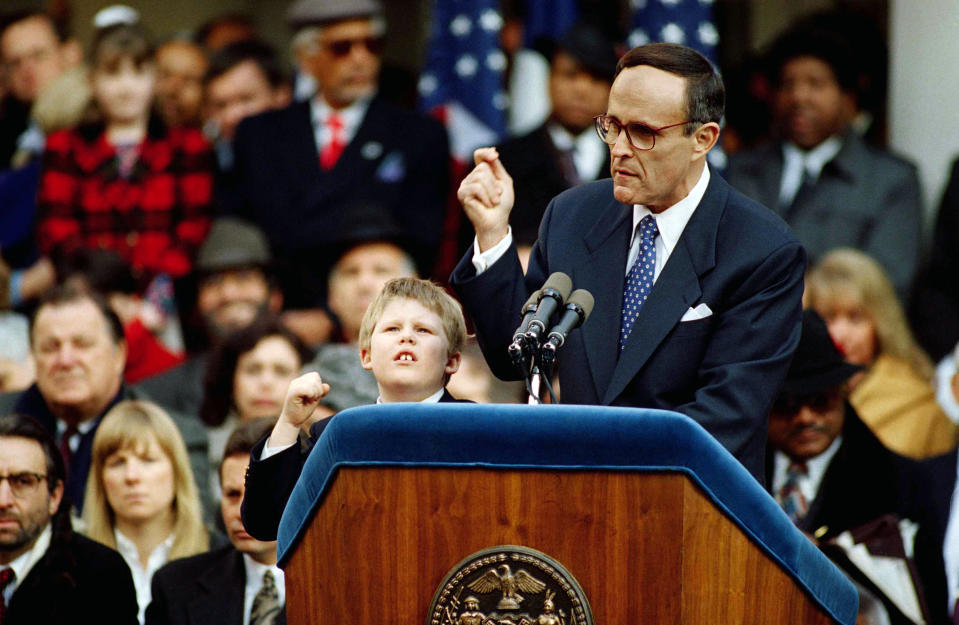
x: 254, y: 581
x: 816, y: 158
x: 142, y: 577
x: 26, y: 561
x: 816, y: 467
x: 432, y: 399
x: 351, y: 116
x: 672, y: 221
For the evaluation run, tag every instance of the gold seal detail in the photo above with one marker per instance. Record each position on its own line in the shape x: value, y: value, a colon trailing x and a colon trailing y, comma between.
x: 509, y: 585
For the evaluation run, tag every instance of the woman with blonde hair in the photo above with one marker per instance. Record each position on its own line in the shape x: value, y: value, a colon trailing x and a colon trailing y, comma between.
x: 894, y: 395
x: 141, y: 497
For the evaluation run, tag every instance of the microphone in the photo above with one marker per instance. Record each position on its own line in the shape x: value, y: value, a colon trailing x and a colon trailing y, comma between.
x: 578, y: 308
x: 519, y: 349
x: 553, y: 294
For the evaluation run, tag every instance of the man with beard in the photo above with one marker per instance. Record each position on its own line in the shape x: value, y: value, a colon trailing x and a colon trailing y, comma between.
x: 235, y: 285
x: 48, y: 574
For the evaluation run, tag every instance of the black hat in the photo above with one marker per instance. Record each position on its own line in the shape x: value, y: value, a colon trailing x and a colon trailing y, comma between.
x: 817, y: 364
x: 591, y: 49
x: 366, y: 222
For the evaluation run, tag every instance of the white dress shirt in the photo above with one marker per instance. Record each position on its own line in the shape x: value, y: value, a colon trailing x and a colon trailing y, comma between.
x: 795, y: 160
x: 26, y: 561
x: 254, y: 581
x: 816, y: 467
x: 351, y: 116
x: 143, y: 576
x: 588, y: 150
x: 945, y: 370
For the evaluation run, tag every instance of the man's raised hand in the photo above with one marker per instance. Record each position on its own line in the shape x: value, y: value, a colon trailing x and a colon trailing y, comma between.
x: 487, y: 197
x: 302, y: 398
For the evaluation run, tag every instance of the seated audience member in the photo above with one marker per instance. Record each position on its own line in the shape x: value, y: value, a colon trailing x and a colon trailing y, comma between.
x: 243, y: 79
x: 247, y: 377
x: 180, y: 66
x: 826, y: 469
x: 34, y: 50
x: 235, y: 285
x: 371, y: 255
x: 126, y: 182
x: 411, y: 338
x: 104, y: 272
x: 141, y: 498
x: 565, y: 150
x: 17, y: 371
x: 821, y: 177
x: 77, y: 343
x: 306, y: 168
x: 49, y: 574
x: 894, y: 396
x: 238, y: 583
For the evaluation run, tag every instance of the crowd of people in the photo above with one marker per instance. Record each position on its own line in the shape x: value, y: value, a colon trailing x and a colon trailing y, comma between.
x: 206, y: 253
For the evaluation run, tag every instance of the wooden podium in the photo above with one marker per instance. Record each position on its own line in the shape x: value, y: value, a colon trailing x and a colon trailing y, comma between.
x: 652, y: 517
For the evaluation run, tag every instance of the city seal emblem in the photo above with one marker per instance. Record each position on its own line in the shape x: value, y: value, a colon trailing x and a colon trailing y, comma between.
x: 509, y: 585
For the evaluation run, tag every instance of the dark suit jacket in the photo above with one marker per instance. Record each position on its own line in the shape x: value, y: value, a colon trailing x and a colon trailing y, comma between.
x: 534, y: 163
x: 205, y: 589
x: 936, y: 480
x: 734, y: 255
x: 270, y: 482
x: 865, y: 198
x: 30, y: 402
x: 398, y: 160
x: 77, y: 581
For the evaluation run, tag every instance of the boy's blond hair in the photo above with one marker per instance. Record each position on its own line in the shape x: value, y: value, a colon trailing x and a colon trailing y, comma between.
x: 428, y: 294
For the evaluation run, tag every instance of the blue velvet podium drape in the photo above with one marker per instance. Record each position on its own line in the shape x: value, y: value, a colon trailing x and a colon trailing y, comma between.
x: 563, y: 438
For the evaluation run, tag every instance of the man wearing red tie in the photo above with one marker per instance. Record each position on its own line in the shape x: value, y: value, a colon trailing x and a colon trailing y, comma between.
x: 304, y: 169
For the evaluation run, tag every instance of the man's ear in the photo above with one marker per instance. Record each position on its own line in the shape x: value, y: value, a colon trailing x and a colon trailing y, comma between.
x: 366, y: 360
x: 453, y: 363
x: 56, y: 497
x: 705, y: 138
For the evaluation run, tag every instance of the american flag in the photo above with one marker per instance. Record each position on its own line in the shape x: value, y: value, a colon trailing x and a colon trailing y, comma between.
x: 689, y: 22
x: 462, y: 81
x: 549, y: 18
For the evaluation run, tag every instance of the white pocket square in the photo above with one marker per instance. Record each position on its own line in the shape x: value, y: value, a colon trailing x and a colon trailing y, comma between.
x: 700, y: 312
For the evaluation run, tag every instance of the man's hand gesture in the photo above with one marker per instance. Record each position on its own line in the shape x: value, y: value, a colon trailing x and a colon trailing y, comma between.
x: 487, y: 197
x: 302, y: 398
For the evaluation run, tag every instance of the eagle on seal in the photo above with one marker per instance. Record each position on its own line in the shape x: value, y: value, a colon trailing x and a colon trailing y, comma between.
x: 507, y: 582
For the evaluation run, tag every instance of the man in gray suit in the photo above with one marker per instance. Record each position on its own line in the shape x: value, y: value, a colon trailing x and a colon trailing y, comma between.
x: 832, y: 188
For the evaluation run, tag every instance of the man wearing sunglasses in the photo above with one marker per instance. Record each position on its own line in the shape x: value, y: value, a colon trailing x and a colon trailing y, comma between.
x: 303, y: 169
x: 697, y: 289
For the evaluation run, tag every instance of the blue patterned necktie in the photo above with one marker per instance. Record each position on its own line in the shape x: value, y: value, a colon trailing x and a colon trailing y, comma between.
x: 790, y: 497
x: 639, y: 282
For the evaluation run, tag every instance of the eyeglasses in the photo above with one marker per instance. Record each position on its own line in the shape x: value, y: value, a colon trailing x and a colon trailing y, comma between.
x: 788, y: 404
x: 640, y: 136
x: 23, y: 484
x: 342, y: 47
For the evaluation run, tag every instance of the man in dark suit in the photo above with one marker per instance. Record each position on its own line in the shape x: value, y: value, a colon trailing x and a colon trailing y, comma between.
x: 564, y: 151
x: 717, y: 285
x: 305, y: 168
x: 832, y: 188
x: 48, y: 574
x: 77, y: 342
x: 221, y: 586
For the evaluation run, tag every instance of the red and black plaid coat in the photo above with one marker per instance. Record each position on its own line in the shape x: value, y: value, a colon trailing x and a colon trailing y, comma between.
x: 156, y: 218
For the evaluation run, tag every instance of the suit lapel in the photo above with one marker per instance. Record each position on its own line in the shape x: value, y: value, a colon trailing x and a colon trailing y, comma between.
x: 607, y: 243
x: 676, y: 289
x: 220, y: 595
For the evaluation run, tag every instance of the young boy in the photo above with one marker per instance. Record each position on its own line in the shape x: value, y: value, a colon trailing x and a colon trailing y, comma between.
x: 411, y: 338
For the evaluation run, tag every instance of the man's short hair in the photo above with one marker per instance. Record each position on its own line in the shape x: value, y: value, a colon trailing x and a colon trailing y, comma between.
x: 705, y: 93
x: 28, y: 427
x: 62, y: 295
x: 245, y: 437
x: 430, y: 295
x: 228, y: 57
x: 59, y: 26
x: 825, y: 45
